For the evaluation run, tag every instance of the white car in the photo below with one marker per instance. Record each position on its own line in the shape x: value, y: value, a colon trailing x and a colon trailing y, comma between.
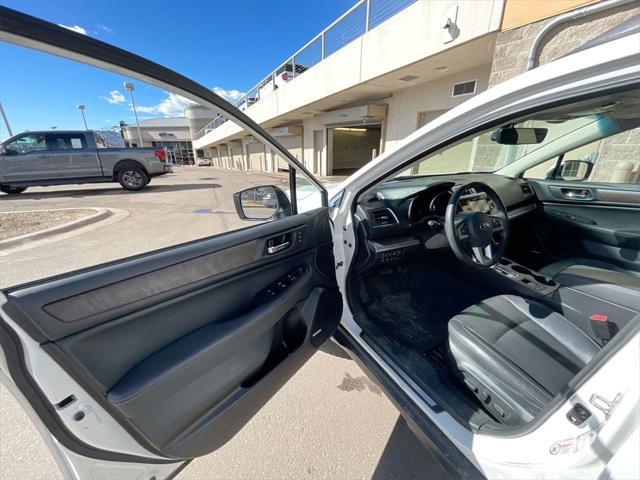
x: 497, y: 309
x: 203, y: 162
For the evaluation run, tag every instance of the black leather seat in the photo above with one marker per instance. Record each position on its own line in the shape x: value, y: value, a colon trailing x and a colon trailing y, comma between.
x: 594, y: 270
x: 516, y: 354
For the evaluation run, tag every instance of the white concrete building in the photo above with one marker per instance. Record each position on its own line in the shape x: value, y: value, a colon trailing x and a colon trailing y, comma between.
x: 368, y: 80
x: 171, y: 134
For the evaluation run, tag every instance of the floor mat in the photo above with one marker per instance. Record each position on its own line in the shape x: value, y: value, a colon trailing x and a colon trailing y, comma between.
x: 399, y: 316
x: 414, y: 306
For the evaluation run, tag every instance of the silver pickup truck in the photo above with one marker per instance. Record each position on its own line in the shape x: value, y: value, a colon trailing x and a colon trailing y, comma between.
x: 61, y: 157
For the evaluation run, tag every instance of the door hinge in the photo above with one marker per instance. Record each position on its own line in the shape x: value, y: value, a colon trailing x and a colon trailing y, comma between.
x: 604, y: 405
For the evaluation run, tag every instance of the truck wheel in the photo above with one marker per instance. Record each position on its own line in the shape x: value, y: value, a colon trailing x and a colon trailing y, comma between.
x: 12, y: 190
x: 133, y: 178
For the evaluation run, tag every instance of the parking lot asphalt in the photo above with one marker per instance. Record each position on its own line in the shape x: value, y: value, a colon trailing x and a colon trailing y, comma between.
x: 328, y: 421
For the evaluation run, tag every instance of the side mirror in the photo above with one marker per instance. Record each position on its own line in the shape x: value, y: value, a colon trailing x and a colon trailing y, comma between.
x: 572, y: 170
x: 8, y: 151
x: 519, y: 136
x: 265, y: 202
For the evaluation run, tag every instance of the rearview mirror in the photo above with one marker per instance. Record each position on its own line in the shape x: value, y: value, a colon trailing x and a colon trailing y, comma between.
x: 519, y: 136
x: 262, y: 203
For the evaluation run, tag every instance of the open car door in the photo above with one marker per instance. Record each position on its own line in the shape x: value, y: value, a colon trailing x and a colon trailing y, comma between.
x: 132, y: 368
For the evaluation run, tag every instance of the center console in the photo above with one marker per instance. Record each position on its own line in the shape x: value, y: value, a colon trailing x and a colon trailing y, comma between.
x: 526, y: 277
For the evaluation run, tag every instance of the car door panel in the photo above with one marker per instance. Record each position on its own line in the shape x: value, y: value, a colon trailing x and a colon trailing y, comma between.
x: 600, y: 221
x: 184, y: 345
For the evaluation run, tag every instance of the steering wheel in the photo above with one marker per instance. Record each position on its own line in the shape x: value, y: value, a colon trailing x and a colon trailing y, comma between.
x: 477, y: 235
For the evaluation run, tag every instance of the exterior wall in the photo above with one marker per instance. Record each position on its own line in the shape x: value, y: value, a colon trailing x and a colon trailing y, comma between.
x: 309, y: 126
x: 293, y: 143
x: 512, y: 46
x: 379, y: 51
x: 614, y: 151
x: 153, y: 134
x: 523, y: 12
x: 405, y: 106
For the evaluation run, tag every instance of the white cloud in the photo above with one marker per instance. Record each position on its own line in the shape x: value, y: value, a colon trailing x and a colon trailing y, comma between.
x: 104, y: 28
x: 172, y: 106
x: 75, y: 28
x: 115, y: 97
x: 229, y: 95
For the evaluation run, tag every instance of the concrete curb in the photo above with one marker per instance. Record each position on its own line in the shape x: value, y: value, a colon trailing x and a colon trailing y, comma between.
x: 101, y: 214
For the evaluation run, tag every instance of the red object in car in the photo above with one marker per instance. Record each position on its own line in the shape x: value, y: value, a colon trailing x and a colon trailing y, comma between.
x: 162, y: 156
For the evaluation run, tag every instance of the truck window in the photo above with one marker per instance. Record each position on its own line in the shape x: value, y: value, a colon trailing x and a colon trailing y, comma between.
x: 26, y: 144
x: 66, y: 141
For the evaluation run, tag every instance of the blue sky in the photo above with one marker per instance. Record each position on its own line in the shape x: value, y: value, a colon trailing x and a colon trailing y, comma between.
x: 228, y: 45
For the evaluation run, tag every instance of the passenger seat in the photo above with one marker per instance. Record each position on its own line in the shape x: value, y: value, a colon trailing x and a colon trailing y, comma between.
x: 596, y: 271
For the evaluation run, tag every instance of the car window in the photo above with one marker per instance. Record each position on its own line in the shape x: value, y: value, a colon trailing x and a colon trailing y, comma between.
x: 193, y: 163
x: 26, y: 144
x: 67, y: 142
x: 614, y: 159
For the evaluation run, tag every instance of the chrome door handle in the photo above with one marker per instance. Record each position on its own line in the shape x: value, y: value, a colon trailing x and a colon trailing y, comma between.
x: 578, y: 194
x: 44, y: 156
x: 278, y: 248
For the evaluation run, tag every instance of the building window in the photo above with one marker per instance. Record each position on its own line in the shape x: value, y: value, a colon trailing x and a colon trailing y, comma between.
x: 464, y: 88
x: 178, y: 152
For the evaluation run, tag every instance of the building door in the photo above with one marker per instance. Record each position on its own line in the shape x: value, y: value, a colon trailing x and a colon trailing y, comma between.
x: 353, y: 146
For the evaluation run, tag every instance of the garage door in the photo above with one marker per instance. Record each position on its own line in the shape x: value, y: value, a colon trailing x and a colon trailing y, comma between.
x: 256, y: 156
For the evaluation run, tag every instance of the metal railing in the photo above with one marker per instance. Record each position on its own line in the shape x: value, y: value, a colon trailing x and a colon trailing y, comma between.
x: 355, y: 22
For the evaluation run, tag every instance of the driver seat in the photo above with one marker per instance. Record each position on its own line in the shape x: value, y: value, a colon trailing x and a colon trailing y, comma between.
x: 516, y: 355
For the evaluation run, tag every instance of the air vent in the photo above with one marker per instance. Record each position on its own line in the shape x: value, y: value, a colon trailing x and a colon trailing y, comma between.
x: 383, y: 216
x: 464, y: 88
x: 526, y: 189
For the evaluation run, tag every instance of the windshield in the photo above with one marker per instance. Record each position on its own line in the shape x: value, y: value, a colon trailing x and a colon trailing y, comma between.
x: 482, y: 154
x: 595, y: 134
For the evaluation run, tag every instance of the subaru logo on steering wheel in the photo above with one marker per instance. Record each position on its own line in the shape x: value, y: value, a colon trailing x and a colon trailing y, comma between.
x: 485, y: 225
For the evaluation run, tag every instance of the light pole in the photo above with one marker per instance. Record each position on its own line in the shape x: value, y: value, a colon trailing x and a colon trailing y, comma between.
x: 6, y: 121
x: 129, y: 86
x: 81, y: 108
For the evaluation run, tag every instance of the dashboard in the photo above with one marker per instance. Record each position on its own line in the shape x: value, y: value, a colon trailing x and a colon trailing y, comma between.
x: 406, y: 215
x: 434, y: 203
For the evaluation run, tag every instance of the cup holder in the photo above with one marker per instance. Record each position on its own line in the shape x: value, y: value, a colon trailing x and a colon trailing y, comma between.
x: 521, y: 269
x: 504, y: 261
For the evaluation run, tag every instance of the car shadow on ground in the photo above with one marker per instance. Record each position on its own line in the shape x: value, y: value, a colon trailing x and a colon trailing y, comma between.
x: 332, y: 348
x: 115, y: 190
x: 405, y: 456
